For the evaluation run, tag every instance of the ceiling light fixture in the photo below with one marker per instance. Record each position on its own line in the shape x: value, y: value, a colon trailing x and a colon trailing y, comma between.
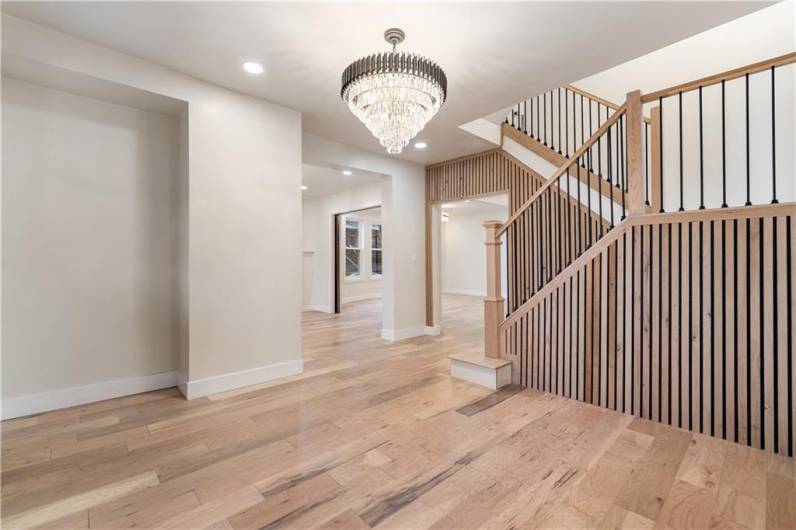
x: 303, y: 188
x: 448, y: 205
x: 347, y: 172
x: 253, y: 68
x: 420, y: 145
x: 394, y: 94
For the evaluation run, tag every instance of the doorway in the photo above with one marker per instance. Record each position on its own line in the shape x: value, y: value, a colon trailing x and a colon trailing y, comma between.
x: 358, y: 257
x: 462, y: 263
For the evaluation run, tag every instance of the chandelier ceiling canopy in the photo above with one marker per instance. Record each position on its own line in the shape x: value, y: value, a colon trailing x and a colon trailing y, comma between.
x: 394, y: 94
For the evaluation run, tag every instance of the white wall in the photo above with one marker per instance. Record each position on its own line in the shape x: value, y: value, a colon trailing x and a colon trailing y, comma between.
x: 365, y: 287
x: 309, y: 226
x: 762, y: 35
x: 318, y: 231
x: 89, y: 237
x: 403, y: 211
x: 244, y: 212
x: 463, y: 251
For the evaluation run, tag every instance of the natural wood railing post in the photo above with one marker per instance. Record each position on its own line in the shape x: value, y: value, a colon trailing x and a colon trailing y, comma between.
x: 635, y: 150
x: 494, y: 302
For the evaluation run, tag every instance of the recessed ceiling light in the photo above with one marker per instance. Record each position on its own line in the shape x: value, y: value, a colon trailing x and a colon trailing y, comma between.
x: 303, y: 188
x: 253, y: 68
x: 446, y: 206
x: 346, y: 172
x: 420, y: 145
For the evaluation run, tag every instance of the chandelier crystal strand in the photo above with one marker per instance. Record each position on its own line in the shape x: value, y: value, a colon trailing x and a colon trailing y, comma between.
x: 394, y: 94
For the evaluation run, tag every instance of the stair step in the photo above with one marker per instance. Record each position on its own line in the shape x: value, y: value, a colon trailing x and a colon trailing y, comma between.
x: 481, y: 370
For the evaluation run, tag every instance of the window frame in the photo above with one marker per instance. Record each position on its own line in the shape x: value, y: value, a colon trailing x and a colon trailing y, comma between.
x: 379, y: 249
x: 358, y: 277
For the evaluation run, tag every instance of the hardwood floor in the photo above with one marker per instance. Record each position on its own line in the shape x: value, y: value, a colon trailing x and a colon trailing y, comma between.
x: 375, y: 434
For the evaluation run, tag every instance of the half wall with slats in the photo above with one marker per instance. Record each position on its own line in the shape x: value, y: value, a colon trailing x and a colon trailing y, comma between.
x: 682, y: 318
x: 545, y: 239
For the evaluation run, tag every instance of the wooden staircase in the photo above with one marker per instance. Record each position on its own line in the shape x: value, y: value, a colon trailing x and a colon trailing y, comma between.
x: 629, y: 290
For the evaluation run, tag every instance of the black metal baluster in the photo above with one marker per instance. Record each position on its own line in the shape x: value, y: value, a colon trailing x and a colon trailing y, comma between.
x: 724, y: 328
x: 660, y: 150
x: 680, y: 98
x: 544, y: 117
x: 773, y: 144
x: 646, y: 166
x: 736, y: 416
x: 761, y: 238
x: 559, y: 120
x: 610, y: 186
x: 775, y: 325
x: 748, y: 180
x: 566, y: 122
x: 789, y: 309
x: 701, y: 160
x: 579, y: 239
x: 621, y: 150
x: 531, y: 127
x: 633, y: 383
x: 723, y: 152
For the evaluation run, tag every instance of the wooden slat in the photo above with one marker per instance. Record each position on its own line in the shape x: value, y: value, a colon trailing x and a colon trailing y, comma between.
x: 726, y: 282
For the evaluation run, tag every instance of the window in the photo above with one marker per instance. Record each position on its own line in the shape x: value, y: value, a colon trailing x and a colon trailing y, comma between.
x: 375, y: 250
x: 353, y: 250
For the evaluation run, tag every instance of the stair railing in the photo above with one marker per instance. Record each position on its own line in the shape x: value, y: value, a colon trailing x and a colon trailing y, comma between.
x: 580, y: 203
x: 716, y: 141
x: 562, y: 118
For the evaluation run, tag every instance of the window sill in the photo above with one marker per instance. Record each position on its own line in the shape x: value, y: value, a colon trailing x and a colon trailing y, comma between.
x: 356, y: 279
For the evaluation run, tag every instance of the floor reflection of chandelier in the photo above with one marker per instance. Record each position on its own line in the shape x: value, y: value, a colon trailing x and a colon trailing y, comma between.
x: 394, y: 94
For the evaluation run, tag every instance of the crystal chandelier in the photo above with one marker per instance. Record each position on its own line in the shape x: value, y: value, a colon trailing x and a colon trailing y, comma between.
x: 394, y: 94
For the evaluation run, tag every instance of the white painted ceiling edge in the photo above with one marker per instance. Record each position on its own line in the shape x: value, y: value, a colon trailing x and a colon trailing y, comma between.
x: 494, y: 54
x: 722, y: 48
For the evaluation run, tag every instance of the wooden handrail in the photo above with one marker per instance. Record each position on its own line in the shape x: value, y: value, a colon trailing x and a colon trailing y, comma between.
x: 729, y: 75
x: 651, y: 219
x: 598, y: 99
x: 563, y: 168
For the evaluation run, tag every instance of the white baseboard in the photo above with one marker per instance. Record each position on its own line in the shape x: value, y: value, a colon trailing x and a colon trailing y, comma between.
x: 221, y: 383
x: 360, y: 297
x: 434, y: 330
x: 80, y: 395
x: 408, y: 333
x: 464, y: 292
x: 319, y: 308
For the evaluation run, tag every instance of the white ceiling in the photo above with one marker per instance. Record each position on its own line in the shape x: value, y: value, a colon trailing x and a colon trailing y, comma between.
x: 494, y: 54
x: 322, y: 181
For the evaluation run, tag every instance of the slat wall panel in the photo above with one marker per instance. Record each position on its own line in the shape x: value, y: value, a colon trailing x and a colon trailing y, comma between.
x: 687, y: 323
x: 543, y: 241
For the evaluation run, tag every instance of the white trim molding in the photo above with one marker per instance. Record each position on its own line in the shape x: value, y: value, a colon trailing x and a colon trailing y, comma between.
x: 484, y: 371
x: 80, y: 395
x: 465, y: 292
x: 221, y: 383
x: 408, y: 333
x: 361, y: 297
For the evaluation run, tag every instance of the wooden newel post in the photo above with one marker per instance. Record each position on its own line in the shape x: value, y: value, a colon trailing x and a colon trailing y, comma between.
x: 493, y: 303
x: 635, y: 154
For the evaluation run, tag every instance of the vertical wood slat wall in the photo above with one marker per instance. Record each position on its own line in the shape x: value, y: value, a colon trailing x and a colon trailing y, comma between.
x: 687, y: 322
x: 486, y: 173
x: 534, y: 252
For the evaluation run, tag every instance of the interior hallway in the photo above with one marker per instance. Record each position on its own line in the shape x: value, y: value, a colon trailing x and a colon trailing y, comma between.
x: 375, y: 434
